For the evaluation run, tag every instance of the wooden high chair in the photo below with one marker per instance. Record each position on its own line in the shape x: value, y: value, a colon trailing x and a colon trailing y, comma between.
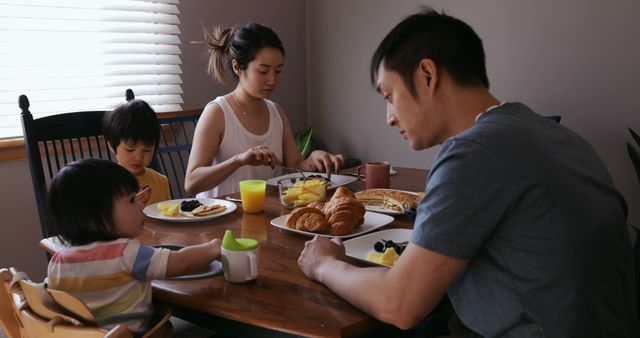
x: 28, y: 309
x: 8, y: 306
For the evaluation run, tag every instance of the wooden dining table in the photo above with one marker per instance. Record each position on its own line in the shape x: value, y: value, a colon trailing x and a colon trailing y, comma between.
x: 282, y: 301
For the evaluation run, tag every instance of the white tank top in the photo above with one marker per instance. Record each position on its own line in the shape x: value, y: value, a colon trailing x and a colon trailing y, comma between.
x: 237, y: 139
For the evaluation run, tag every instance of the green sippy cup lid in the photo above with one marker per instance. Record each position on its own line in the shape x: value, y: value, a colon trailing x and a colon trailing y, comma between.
x: 240, y: 244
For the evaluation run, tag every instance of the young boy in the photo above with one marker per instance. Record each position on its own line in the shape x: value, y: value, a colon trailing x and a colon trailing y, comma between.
x: 133, y: 133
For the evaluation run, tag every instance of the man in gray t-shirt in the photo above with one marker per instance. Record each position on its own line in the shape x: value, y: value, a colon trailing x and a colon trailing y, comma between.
x: 521, y: 224
x: 531, y: 207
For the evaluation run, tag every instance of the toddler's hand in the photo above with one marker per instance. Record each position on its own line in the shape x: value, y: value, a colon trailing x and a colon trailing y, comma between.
x: 217, y: 244
x: 193, y: 258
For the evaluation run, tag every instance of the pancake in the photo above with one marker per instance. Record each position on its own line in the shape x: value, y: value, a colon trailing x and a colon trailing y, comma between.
x: 390, y: 199
x: 204, y: 210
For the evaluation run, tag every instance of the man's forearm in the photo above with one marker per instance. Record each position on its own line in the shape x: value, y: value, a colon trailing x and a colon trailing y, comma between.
x: 365, y: 288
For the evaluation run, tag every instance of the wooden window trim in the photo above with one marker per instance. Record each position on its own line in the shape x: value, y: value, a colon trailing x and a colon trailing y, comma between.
x: 12, y: 149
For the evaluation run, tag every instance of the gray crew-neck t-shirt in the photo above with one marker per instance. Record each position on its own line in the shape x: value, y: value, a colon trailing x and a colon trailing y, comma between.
x: 534, y: 210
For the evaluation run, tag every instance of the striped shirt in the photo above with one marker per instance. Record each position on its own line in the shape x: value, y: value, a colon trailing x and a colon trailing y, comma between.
x: 112, y: 278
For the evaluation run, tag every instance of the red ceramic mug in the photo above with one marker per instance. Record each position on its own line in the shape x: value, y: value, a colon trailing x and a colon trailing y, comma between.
x: 376, y: 175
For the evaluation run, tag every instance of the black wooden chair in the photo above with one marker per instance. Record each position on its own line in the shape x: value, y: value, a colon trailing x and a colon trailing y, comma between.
x: 53, y: 141
x: 56, y: 140
x: 173, y: 151
x: 176, y: 139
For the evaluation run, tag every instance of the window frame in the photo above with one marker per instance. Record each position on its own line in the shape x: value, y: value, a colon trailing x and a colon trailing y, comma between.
x: 136, y: 59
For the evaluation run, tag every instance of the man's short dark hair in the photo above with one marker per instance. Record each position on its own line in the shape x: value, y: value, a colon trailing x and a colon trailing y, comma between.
x: 452, y: 45
x: 80, y: 199
x: 135, y: 121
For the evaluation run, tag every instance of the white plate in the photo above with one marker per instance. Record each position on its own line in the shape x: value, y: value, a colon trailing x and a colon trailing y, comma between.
x: 336, y: 180
x: 360, y: 247
x: 153, y: 212
x: 372, y: 221
x: 380, y: 208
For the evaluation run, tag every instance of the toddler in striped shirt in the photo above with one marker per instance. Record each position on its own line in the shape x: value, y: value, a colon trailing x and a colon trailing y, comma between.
x: 93, y: 205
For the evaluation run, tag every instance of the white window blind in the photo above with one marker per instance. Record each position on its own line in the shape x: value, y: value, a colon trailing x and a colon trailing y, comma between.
x: 72, y: 55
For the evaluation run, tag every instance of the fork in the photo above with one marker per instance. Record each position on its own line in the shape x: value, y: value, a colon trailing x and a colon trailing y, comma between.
x: 304, y: 178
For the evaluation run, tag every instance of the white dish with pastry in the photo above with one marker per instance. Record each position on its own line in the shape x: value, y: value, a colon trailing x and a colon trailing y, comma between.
x: 389, y: 201
x: 333, y: 183
x: 372, y: 221
x: 364, y: 247
x: 189, y: 209
x: 342, y: 216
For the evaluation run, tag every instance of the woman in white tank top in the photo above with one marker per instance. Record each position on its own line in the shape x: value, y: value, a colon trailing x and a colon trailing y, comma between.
x: 243, y: 135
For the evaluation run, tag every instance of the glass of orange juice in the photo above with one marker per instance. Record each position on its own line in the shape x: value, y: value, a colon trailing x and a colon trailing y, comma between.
x: 252, y: 195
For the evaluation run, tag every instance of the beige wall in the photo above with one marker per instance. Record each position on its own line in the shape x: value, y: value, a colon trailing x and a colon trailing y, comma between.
x: 286, y: 17
x: 574, y: 58
x: 20, y: 227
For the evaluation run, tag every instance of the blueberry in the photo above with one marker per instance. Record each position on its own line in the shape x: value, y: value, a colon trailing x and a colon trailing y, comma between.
x: 398, y: 249
x: 379, y: 246
x: 389, y: 244
x: 189, y: 205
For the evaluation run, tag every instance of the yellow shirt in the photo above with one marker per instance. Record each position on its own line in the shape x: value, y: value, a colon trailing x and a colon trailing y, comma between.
x: 158, y: 183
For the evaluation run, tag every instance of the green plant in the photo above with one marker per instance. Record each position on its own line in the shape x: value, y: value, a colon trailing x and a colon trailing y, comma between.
x: 634, y: 153
x: 306, y: 143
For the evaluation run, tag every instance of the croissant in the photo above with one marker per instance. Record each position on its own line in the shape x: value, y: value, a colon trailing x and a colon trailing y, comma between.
x: 344, y: 215
x: 316, y: 204
x: 306, y: 219
x: 343, y: 192
x: 338, y: 217
x: 312, y: 222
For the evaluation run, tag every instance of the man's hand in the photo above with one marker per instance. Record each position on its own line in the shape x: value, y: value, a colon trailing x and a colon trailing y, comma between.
x: 319, y: 251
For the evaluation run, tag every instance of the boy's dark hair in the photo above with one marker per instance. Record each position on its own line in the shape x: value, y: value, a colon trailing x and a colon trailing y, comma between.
x: 80, y: 199
x: 134, y: 120
x: 449, y: 42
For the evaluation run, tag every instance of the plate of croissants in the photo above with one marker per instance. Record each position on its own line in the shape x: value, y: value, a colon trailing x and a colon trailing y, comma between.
x: 342, y: 216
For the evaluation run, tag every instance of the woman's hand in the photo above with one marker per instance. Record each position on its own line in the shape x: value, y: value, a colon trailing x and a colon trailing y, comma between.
x: 321, y: 160
x: 317, y: 251
x: 260, y: 155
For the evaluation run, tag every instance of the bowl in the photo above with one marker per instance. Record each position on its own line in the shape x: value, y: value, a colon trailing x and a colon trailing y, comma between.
x: 298, y: 192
